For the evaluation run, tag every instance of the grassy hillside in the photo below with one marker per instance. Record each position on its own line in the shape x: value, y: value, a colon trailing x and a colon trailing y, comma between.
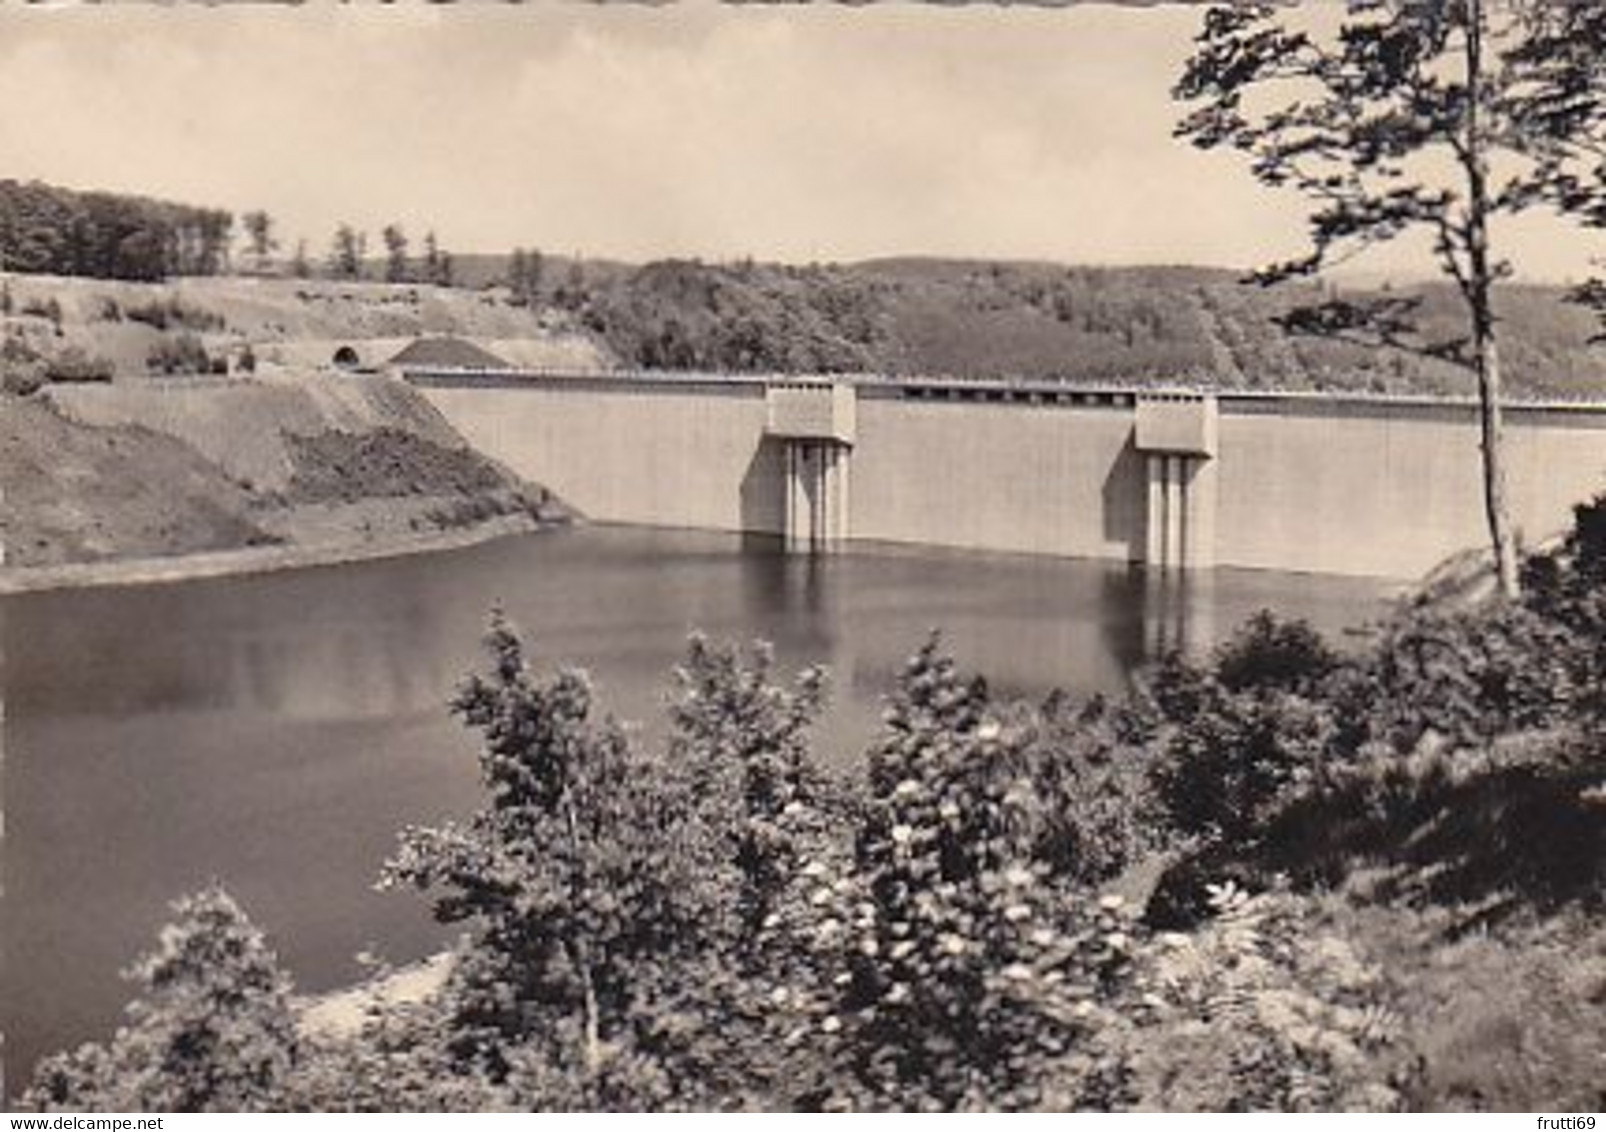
x: 248, y: 428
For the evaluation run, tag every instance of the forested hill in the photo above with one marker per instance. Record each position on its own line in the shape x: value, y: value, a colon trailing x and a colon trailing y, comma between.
x: 1143, y: 325
x: 45, y: 229
x: 1137, y: 325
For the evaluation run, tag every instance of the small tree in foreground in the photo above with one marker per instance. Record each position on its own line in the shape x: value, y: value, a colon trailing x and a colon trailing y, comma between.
x: 588, y: 882
x: 740, y: 742
x: 212, y: 1030
x: 739, y: 747
x: 1413, y: 115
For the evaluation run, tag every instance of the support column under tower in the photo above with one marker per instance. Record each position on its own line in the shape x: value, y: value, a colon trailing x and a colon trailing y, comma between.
x: 1176, y: 435
x: 816, y: 474
x: 815, y: 422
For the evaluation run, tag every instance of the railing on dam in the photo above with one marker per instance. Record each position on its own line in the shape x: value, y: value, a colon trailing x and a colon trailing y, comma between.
x: 936, y: 388
x: 1044, y: 391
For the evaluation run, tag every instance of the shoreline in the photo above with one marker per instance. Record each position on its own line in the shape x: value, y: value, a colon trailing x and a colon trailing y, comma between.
x: 253, y: 559
x: 341, y: 1011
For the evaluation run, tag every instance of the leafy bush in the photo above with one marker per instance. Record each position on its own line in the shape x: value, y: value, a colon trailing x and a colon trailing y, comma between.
x: 1466, y: 676
x: 179, y: 354
x: 76, y: 365
x: 1093, y: 769
x: 1271, y: 653
x: 172, y: 313
x: 1247, y: 735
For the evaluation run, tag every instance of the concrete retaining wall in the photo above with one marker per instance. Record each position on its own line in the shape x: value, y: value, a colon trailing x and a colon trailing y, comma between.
x: 958, y: 475
x: 691, y: 457
x: 1326, y: 485
x: 1371, y: 488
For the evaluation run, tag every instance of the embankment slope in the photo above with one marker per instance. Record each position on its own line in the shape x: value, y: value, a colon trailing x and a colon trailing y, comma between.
x: 70, y: 493
x: 98, y: 473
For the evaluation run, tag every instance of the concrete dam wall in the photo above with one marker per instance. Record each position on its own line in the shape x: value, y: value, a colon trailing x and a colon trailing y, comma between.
x: 1347, y: 485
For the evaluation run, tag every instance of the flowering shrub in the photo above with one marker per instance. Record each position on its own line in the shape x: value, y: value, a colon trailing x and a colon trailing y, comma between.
x: 739, y: 746
x: 962, y: 976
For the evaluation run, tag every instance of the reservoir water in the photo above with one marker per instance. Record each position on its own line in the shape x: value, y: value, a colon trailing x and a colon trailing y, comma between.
x: 274, y: 731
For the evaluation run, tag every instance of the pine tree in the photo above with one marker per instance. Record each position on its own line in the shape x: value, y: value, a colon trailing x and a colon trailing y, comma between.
x: 259, y: 230
x: 345, y: 253
x: 395, y: 240
x: 432, y: 259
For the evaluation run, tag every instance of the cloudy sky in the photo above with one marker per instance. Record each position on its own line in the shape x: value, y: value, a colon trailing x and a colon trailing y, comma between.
x: 797, y: 133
